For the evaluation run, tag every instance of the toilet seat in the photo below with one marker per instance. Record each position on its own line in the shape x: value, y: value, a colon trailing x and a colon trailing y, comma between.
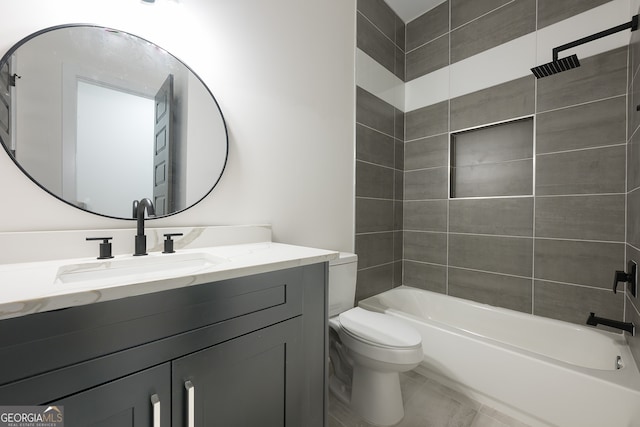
x: 379, y: 329
x: 379, y: 345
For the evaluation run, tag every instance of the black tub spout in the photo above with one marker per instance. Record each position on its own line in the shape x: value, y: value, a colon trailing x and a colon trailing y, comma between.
x: 594, y: 320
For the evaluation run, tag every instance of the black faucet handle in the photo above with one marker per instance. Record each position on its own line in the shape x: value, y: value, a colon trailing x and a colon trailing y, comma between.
x: 630, y: 278
x: 168, y: 243
x: 619, y: 276
x: 105, y: 246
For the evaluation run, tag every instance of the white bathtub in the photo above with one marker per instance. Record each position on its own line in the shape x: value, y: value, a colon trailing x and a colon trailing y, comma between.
x: 544, y: 371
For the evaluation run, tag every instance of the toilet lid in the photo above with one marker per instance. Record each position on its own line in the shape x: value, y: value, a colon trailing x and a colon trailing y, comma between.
x: 379, y: 328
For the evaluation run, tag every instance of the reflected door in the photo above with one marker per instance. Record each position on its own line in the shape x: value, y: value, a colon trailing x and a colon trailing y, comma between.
x: 163, y: 185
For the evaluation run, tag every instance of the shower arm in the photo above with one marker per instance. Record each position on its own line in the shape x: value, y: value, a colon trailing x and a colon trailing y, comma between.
x: 633, y: 24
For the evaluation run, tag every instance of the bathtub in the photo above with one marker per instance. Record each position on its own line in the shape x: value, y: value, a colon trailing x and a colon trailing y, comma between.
x: 544, y: 372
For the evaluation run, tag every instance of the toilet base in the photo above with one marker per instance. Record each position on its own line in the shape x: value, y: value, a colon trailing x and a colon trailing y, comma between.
x: 376, y: 396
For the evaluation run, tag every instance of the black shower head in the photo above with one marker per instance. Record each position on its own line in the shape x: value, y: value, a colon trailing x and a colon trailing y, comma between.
x: 556, y: 66
x: 564, y: 64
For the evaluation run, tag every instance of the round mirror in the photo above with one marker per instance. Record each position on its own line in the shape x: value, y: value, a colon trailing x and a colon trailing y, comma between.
x: 100, y: 118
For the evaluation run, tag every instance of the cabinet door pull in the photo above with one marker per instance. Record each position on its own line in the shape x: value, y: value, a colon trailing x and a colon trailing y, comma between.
x: 191, y: 395
x: 155, y: 404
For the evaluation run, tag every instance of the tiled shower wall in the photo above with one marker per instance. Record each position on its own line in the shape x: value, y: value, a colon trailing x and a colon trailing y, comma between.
x: 552, y: 253
x: 632, y: 307
x: 379, y: 157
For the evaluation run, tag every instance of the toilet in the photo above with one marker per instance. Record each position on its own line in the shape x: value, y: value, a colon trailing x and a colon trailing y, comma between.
x: 367, y: 350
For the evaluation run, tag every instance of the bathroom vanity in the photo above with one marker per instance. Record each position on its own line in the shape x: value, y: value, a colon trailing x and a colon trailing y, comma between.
x: 246, y: 350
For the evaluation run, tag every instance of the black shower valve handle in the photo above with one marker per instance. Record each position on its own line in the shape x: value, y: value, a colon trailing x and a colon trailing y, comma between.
x: 619, y: 276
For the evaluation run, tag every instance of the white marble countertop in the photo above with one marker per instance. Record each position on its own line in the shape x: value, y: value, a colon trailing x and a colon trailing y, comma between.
x: 33, y: 287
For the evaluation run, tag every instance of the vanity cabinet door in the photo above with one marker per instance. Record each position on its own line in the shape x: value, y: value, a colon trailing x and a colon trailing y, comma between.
x: 253, y: 380
x: 138, y: 400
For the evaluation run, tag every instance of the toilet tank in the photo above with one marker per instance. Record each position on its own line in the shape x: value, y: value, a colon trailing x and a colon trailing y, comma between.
x: 342, y: 283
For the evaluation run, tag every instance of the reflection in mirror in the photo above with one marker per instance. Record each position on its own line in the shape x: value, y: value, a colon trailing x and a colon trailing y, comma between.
x: 100, y: 118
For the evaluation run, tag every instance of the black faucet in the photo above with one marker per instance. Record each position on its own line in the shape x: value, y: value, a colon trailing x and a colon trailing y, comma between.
x: 141, y: 239
x: 594, y: 320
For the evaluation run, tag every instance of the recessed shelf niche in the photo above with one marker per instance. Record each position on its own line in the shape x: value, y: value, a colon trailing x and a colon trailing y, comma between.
x: 493, y: 161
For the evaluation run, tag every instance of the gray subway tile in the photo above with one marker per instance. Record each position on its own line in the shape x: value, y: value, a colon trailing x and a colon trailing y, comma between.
x: 494, y: 289
x: 583, y: 126
x: 634, y: 101
x: 398, y: 215
x: 401, y: 33
x: 400, y: 65
x: 372, y: 281
x: 425, y: 276
x: 497, y: 179
x: 633, y: 254
x: 552, y: 11
x: 505, y: 101
x: 373, y: 112
x: 374, y: 181
x: 374, y: 147
x: 599, y: 76
x: 373, y: 215
x: 398, y: 245
x: 375, y: 44
x: 428, y: 26
x: 425, y: 247
x: 427, y: 152
x: 399, y: 154
x: 399, y: 124
x: 427, y: 58
x: 633, y: 162
x: 397, y: 273
x: 463, y: 11
x: 428, y: 215
x: 426, y: 184
x: 581, y: 217
x: 633, y: 218
x: 493, y: 29
x: 380, y: 14
x: 592, y: 171
x: 374, y: 249
x: 501, y: 216
x: 427, y: 121
x: 634, y: 54
x: 574, y: 303
x: 631, y: 315
x: 398, y: 185
x: 579, y: 262
x: 508, y: 255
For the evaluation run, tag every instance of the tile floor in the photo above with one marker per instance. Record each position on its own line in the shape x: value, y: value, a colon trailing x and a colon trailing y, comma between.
x: 429, y: 404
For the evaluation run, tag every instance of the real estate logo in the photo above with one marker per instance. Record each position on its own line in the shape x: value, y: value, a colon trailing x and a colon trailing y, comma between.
x: 31, y: 416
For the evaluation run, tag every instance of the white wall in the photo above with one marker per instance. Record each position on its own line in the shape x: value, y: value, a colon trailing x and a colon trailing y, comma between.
x: 283, y: 73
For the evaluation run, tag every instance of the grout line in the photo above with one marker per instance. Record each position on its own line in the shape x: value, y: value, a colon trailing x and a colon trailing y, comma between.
x: 374, y: 129
x: 533, y: 190
x: 425, y: 137
x: 626, y: 172
x: 599, y: 147
x: 381, y: 32
x: 577, y: 285
x: 593, y: 101
x: 375, y: 164
x: 488, y: 13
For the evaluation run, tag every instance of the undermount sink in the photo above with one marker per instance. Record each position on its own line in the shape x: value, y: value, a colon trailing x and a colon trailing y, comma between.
x: 145, y: 267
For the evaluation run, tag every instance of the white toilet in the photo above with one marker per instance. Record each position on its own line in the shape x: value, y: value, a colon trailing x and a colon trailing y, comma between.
x: 367, y: 350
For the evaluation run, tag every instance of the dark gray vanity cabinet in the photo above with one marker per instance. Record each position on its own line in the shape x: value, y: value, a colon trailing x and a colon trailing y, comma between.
x: 239, y: 352
x: 127, y: 402
x: 249, y: 381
